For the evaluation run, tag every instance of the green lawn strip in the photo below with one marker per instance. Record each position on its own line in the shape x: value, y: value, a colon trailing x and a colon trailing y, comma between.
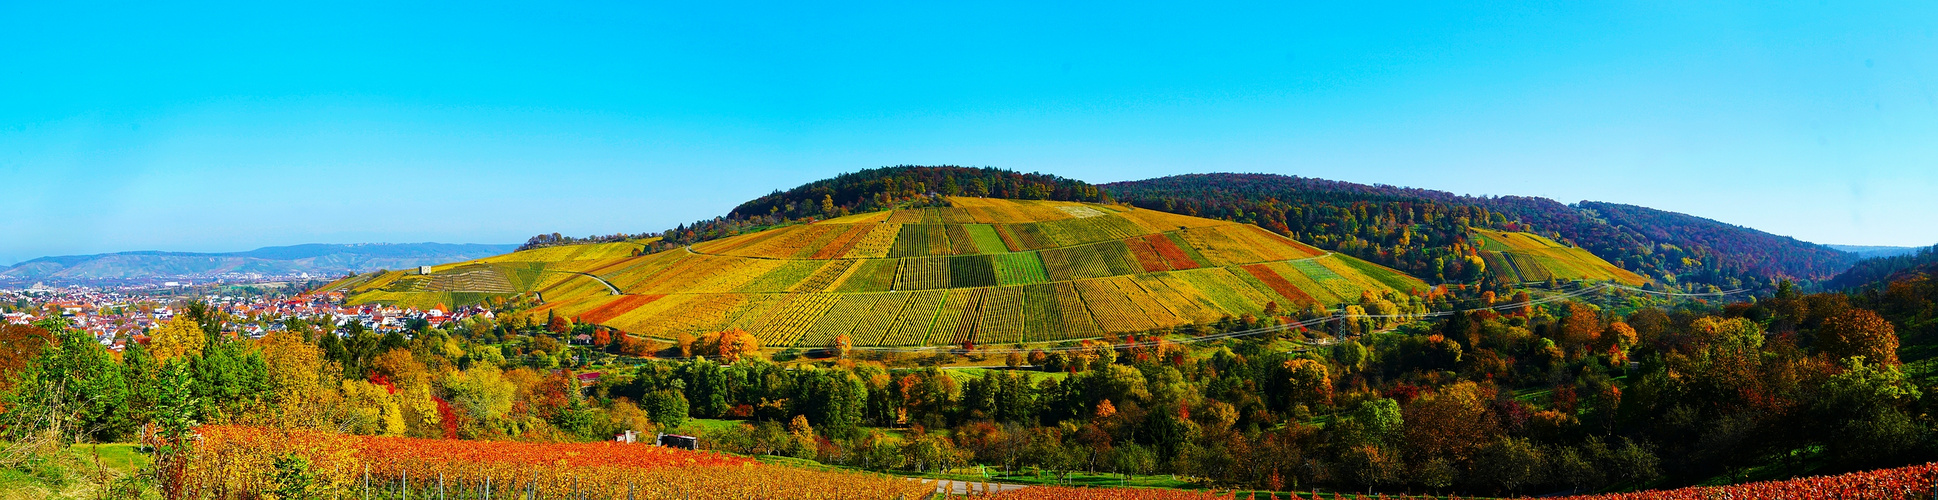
x: 79, y: 474
x: 1020, y: 268
x: 985, y: 238
x: 968, y: 374
x: 1800, y: 463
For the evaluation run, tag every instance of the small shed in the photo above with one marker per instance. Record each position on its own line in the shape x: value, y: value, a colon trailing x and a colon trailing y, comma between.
x: 679, y: 441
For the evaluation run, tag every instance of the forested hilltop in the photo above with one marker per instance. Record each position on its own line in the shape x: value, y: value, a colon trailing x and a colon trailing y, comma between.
x: 1384, y: 224
x: 1882, y: 270
x: 867, y: 190
x: 1419, y: 231
x: 878, y: 189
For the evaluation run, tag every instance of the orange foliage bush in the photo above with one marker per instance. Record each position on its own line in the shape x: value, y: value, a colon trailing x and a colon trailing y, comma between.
x: 733, y: 343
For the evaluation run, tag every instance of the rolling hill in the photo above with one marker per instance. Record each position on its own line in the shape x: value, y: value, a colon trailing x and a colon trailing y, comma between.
x: 315, y: 259
x: 978, y: 269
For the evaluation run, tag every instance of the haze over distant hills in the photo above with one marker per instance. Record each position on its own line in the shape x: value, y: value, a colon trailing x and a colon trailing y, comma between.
x: 316, y: 259
x: 1871, y: 252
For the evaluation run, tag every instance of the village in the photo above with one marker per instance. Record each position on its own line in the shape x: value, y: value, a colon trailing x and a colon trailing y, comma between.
x: 116, y: 315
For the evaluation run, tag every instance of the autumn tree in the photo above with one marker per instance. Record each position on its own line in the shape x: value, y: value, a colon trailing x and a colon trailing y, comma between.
x: 1618, y: 335
x: 19, y: 345
x: 1859, y: 332
x: 733, y: 344
x: 1580, y: 329
x: 1736, y: 334
x: 1521, y: 304
x: 1309, y: 381
x: 484, y: 395
x: 301, y: 377
x: 1450, y: 423
x: 178, y: 338
x: 841, y: 345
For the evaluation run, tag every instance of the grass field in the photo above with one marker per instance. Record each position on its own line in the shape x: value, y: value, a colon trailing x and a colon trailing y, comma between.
x: 86, y: 471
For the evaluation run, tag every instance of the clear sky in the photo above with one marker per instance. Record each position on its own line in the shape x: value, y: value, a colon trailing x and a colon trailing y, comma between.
x: 229, y: 127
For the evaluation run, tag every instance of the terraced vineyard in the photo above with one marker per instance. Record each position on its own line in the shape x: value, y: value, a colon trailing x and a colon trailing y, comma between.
x: 1527, y: 257
x: 981, y: 270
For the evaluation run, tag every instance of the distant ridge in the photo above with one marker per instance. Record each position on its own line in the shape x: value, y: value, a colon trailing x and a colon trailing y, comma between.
x: 1879, y: 271
x: 316, y: 259
x: 1372, y: 222
x: 1872, y: 252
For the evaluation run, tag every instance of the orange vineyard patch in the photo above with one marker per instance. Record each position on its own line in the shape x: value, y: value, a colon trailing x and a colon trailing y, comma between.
x: 1174, y: 256
x: 1883, y: 484
x: 247, y: 462
x: 1147, y: 257
x: 1279, y: 284
x: 617, y: 307
x: 842, y: 243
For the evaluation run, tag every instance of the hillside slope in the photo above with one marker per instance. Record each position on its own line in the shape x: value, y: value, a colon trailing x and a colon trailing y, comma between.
x: 981, y: 269
x: 1382, y: 224
x: 1524, y: 257
x: 314, y: 259
x: 1877, y: 271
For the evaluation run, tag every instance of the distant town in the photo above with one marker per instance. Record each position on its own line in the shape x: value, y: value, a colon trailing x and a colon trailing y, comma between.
x: 115, y: 315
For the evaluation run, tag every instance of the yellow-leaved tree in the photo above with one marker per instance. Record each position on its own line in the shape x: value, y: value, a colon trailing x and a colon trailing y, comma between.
x: 177, y: 338
x: 371, y: 409
x: 302, y: 378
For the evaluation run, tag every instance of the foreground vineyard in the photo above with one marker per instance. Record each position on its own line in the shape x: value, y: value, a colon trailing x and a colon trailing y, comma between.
x: 1902, y: 483
x: 1061, y: 493
x: 249, y: 462
x: 234, y: 461
x: 981, y: 270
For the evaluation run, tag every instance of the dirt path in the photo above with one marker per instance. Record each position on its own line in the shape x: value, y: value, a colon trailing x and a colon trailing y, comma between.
x: 602, y: 281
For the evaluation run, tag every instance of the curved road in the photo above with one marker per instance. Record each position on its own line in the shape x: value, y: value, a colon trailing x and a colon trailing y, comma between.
x: 602, y: 281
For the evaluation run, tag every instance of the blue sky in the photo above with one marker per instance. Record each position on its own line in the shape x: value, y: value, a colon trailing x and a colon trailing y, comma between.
x: 229, y: 127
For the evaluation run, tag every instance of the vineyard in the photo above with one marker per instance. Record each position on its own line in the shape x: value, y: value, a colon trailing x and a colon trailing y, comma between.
x: 1902, y: 483
x: 982, y: 271
x: 1528, y: 258
x: 237, y: 461
x: 248, y: 462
